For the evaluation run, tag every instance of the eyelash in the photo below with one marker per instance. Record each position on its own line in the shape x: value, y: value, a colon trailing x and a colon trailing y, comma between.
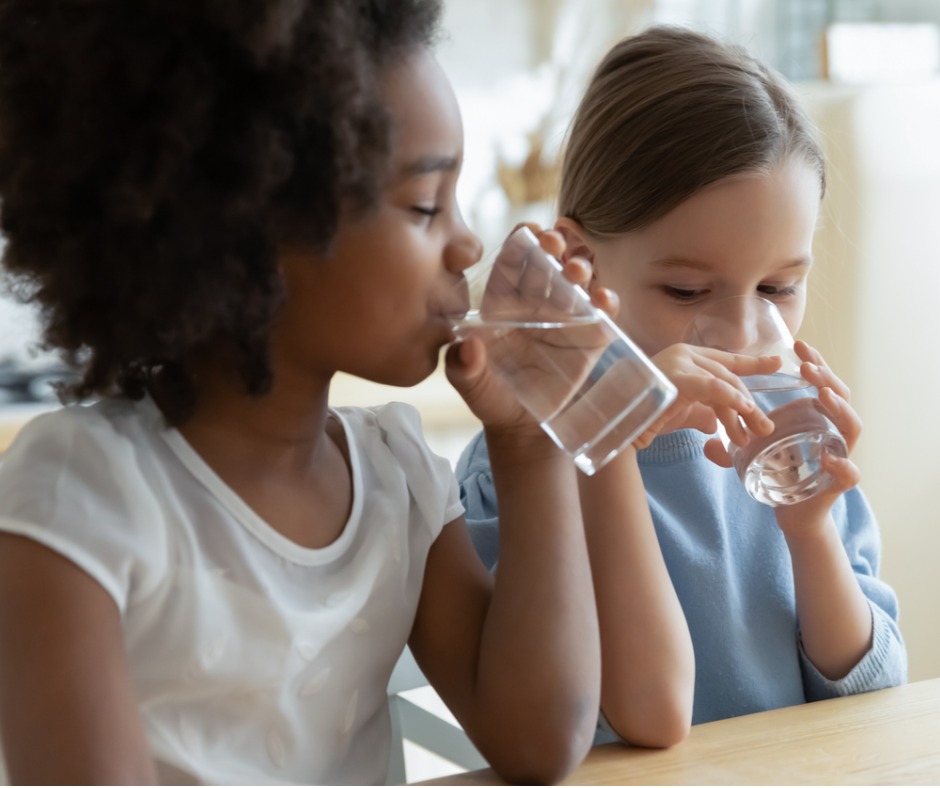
x: 780, y: 292
x: 681, y: 294
x: 430, y: 213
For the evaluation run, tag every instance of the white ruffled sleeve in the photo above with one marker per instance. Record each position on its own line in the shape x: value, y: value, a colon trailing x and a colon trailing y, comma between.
x: 75, y: 484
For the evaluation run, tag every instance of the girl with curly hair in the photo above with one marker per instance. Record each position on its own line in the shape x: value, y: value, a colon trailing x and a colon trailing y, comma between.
x: 208, y: 574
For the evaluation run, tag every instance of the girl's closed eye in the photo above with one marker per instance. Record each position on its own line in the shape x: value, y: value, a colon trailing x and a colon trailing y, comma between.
x: 684, y: 293
x: 778, y: 291
x: 426, y: 212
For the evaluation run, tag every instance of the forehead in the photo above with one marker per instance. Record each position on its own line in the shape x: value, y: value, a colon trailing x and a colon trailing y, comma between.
x: 768, y: 215
x: 425, y: 116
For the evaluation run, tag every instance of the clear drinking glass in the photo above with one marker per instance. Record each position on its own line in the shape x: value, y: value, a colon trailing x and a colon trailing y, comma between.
x: 784, y: 467
x: 568, y: 364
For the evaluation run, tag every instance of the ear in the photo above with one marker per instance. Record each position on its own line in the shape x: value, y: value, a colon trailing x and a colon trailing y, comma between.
x: 577, y: 242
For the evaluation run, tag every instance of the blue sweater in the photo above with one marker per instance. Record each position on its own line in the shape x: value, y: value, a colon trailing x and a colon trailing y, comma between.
x: 731, y: 570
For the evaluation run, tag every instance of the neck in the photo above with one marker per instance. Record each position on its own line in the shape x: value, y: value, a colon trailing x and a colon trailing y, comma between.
x: 281, y: 430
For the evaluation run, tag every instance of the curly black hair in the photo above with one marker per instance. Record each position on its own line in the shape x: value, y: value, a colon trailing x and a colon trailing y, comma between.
x: 154, y: 154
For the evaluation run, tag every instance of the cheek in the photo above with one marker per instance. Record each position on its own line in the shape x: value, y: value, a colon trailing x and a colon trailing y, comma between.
x: 793, y: 315
x: 652, y: 326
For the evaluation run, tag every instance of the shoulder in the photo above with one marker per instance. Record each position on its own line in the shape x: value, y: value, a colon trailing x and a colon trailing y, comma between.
x: 395, y: 416
x: 109, y: 428
x: 82, y: 482
x: 387, y: 442
x: 104, y: 420
x: 394, y: 427
x: 394, y: 431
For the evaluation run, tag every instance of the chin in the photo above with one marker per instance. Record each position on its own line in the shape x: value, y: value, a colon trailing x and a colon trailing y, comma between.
x: 410, y: 375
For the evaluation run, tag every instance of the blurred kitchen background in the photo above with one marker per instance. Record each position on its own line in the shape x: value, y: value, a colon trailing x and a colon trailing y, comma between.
x: 870, y: 73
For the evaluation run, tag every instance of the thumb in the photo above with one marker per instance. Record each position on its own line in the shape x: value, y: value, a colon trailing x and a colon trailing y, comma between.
x: 464, y: 363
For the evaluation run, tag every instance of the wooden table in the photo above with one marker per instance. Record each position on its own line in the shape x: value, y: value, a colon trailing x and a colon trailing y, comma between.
x: 890, y: 737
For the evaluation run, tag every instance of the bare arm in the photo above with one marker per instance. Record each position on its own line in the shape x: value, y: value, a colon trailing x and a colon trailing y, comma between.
x: 648, y: 666
x: 835, y: 617
x: 67, y: 706
x: 517, y: 658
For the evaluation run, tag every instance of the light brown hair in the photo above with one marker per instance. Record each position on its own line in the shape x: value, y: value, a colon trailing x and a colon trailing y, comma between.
x: 668, y: 112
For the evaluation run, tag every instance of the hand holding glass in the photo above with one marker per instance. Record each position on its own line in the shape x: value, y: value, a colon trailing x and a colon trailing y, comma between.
x: 784, y: 467
x: 566, y: 362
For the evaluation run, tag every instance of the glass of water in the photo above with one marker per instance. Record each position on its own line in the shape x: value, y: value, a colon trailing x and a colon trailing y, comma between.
x: 784, y: 467
x: 566, y: 362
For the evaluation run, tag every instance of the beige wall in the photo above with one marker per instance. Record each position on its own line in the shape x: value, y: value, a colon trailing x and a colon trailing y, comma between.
x: 875, y: 314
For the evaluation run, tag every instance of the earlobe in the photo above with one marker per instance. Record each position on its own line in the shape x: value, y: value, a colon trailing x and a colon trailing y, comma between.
x: 577, y: 242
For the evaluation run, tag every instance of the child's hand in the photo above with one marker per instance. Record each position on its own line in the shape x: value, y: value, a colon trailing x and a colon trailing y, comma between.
x: 709, y: 388
x: 804, y: 518
x: 486, y: 395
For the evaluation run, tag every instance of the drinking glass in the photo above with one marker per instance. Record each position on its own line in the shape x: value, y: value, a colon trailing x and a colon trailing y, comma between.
x: 567, y: 363
x: 785, y: 467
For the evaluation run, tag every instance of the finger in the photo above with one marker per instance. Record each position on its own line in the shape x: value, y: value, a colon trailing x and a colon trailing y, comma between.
x: 645, y: 438
x: 845, y: 473
x: 465, y: 360
x: 565, y: 299
x: 552, y: 241
x: 722, y: 387
x: 817, y: 371
x: 733, y: 407
x: 806, y: 352
x: 735, y: 430
x: 741, y: 364
x: 842, y: 415
x: 606, y: 299
x: 578, y: 271
x: 754, y: 418
x: 821, y: 376
x: 535, y: 282
x: 758, y: 422
x: 534, y: 227
x: 715, y: 452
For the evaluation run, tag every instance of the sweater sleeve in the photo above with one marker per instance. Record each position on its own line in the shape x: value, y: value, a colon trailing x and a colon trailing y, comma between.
x: 885, y: 663
x: 478, y: 495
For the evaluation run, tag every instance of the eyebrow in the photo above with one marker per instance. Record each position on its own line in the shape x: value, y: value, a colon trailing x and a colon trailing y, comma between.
x: 683, y: 262
x: 428, y: 164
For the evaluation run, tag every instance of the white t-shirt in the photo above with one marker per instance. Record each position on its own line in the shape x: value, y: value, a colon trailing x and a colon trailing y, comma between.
x: 255, y: 660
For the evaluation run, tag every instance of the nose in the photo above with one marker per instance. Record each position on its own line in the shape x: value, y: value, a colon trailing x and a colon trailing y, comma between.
x: 741, y: 327
x: 730, y: 324
x: 464, y: 249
